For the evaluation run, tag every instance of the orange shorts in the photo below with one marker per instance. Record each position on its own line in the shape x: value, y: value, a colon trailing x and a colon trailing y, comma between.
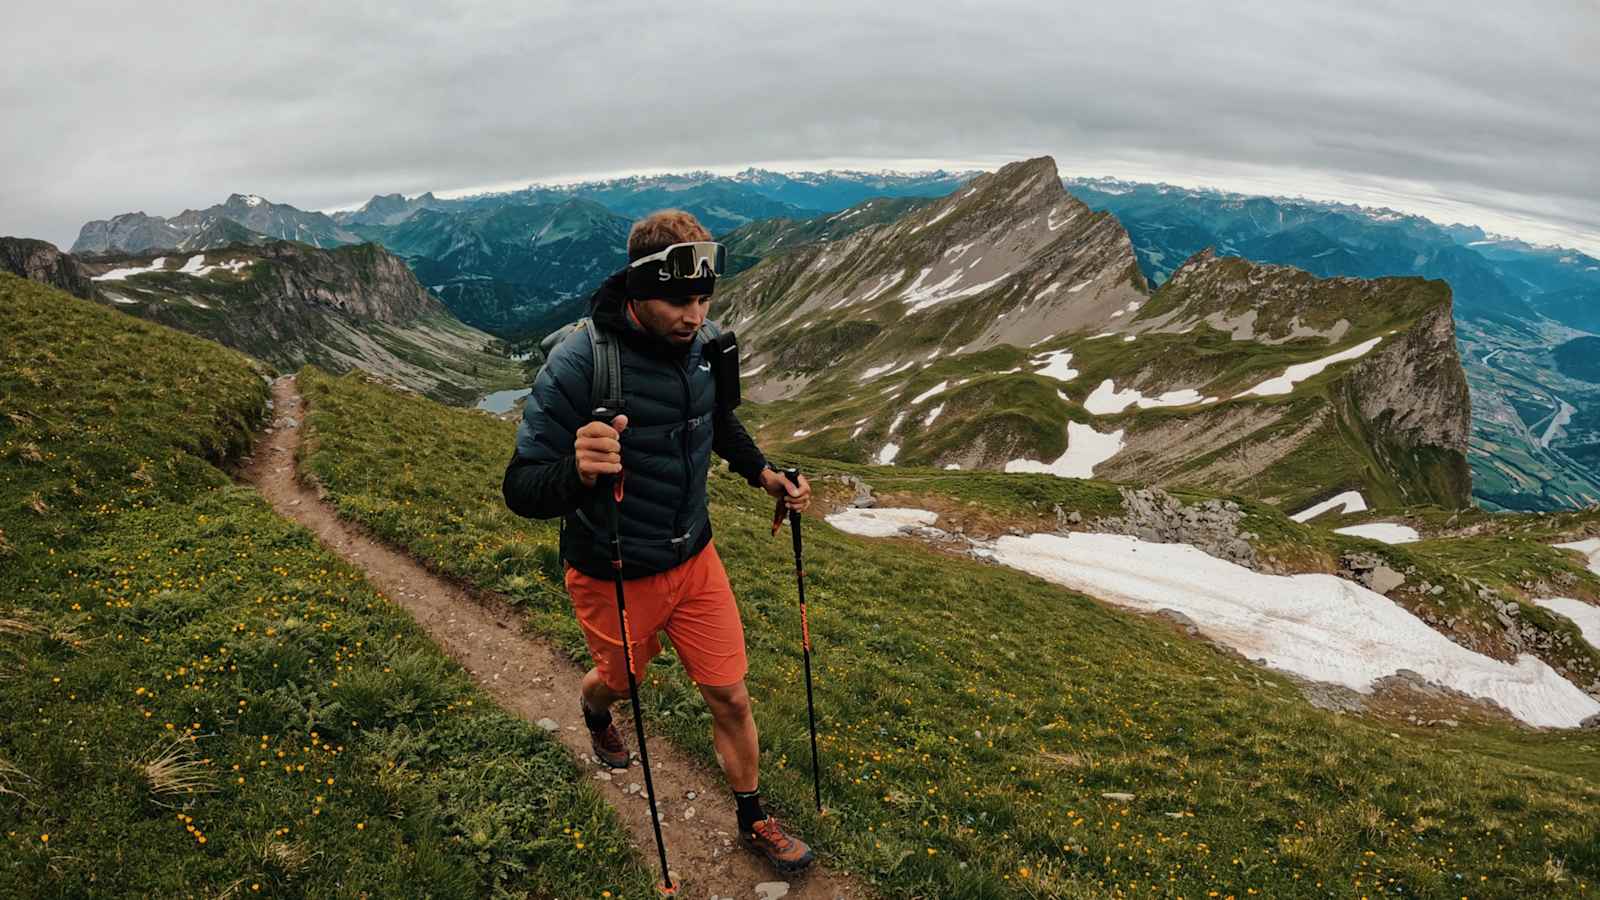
x: 692, y: 602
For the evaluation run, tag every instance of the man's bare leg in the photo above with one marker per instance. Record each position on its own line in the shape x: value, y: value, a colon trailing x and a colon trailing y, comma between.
x: 733, y: 732
x: 597, y: 695
x: 733, y: 729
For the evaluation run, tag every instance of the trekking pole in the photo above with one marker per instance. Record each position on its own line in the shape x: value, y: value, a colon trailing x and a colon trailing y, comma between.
x: 793, y: 474
x: 666, y: 888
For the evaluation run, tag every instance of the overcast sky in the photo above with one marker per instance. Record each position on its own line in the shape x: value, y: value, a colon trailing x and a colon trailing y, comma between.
x: 1473, y: 112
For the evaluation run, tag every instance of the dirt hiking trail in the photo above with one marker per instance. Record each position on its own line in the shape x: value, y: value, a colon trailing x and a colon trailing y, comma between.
x: 530, y: 678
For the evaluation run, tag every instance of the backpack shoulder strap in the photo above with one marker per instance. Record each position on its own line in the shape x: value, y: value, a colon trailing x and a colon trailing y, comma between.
x: 606, y: 389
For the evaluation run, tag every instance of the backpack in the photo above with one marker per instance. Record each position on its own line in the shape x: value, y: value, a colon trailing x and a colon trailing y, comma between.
x: 605, y: 388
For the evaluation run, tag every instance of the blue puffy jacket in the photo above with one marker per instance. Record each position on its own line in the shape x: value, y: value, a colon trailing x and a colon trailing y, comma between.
x: 674, y: 425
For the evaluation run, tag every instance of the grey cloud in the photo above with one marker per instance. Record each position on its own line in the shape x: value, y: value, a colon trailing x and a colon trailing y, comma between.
x: 1489, y: 110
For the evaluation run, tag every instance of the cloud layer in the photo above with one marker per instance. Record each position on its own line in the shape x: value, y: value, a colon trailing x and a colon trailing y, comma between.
x: 1472, y: 113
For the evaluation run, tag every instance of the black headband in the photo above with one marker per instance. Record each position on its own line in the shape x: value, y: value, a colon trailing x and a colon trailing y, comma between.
x: 645, y: 283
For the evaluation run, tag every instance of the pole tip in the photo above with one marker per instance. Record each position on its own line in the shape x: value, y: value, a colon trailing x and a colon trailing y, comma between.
x: 666, y: 890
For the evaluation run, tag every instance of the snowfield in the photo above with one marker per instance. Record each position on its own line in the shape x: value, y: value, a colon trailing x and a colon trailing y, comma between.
x: 1584, y: 615
x: 1086, y: 448
x: 1589, y: 548
x: 1387, y: 532
x: 1056, y: 364
x: 1284, y: 384
x: 1106, y: 400
x: 156, y: 265
x: 880, y: 522
x: 1320, y: 627
x: 1316, y: 626
x: 1351, y: 501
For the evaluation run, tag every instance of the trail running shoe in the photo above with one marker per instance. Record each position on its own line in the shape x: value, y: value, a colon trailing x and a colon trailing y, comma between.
x: 607, y: 745
x: 787, y: 853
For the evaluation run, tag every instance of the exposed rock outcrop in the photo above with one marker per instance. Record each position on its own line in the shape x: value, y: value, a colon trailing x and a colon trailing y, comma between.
x: 1211, y: 526
x: 42, y: 261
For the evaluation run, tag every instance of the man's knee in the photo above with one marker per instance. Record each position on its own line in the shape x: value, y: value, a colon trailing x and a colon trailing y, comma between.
x: 728, y: 702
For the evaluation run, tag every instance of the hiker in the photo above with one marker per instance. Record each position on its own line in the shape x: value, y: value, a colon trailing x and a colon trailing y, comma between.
x: 661, y: 447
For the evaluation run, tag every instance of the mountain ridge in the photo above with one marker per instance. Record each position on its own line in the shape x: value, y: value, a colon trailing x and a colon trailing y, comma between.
x: 1030, y: 313
x: 289, y: 304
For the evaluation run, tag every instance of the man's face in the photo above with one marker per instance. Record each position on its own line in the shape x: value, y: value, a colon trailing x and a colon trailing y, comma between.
x: 675, y: 320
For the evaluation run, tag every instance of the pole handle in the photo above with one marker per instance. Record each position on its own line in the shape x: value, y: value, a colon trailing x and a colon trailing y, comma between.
x: 793, y: 474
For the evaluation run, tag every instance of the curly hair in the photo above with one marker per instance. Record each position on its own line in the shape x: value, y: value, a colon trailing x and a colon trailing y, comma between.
x: 663, y: 228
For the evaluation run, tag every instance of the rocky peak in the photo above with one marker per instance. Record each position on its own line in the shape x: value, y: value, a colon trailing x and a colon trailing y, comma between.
x: 249, y: 201
x: 42, y: 261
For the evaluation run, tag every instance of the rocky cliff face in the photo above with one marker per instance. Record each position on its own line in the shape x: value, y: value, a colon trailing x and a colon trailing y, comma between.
x: 290, y: 304
x: 1320, y: 385
x: 42, y: 261
x: 362, y: 281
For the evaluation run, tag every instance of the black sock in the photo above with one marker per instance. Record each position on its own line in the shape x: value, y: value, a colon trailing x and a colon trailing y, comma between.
x: 749, y: 803
x: 597, y: 721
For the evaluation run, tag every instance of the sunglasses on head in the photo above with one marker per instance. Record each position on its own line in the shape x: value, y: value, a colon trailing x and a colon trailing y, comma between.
x: 692, y: 259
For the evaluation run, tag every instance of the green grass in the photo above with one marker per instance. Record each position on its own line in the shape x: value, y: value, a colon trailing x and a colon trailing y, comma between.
x: 199, y: 700
x: 973, y: 717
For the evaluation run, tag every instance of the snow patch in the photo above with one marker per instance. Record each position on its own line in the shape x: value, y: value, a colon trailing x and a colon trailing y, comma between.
x: 1285, y: 383
x: 1080, y: 286
x: 1347, y: 502
x: 941, y: 215
x: 887, y: 453
x: 1056, y: 364
x: 1584, y: 615
x: 1086, y: 448
x: 1589, y: 548
x: 1387, y: 532
x: 156, y: 265
x: 1320, y: 627
x: 885, y: 369
x: 936, y: 389
x: 932, y: 414
x: 880, y: 522
x: 917, y: 297
x: 1106, y: 400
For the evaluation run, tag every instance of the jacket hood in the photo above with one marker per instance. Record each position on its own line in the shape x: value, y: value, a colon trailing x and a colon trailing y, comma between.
x: 608, y: 306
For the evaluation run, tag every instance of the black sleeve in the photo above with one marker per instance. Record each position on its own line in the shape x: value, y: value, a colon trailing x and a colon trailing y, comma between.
x: 734, y: 444
x: 542, y: 482
x: 543, y: 490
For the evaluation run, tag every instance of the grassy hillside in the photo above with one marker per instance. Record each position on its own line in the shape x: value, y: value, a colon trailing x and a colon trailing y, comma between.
x: 974, y: 720
x: 200, y: 701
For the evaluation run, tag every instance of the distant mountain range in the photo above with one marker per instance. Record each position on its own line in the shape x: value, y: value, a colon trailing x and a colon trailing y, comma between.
x: 1536, y: 429
x: 516, y: 263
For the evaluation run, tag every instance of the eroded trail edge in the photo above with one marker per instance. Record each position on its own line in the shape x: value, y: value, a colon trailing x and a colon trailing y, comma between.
x: 530, y: 678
